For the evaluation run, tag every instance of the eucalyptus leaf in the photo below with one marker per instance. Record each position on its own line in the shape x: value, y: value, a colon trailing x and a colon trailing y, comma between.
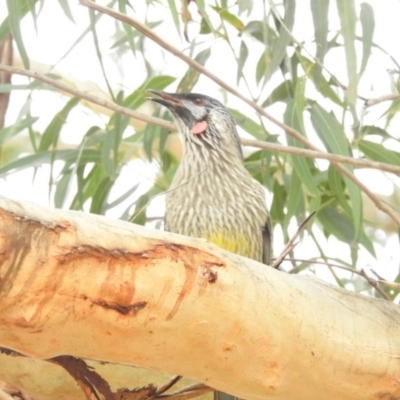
x: 367, y: 20
x: 348, y: 19
x: 378, y: 152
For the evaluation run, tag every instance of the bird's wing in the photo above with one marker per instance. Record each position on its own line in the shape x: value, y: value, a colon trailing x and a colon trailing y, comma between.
x: 267, y: 238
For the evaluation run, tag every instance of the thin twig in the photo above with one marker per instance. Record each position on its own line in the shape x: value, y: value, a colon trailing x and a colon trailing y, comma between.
x: 198, y: 67
x: 171, y: 127
x: 322, y: 155
x: 327, y: 264
x: 375, y: 285
x: 89, y: 97
x: 188, y: 392
x: 373, y: 282
x: 291, y: 244
x: 168, y: 385
x: 381, y: 99
x: 392, y: 285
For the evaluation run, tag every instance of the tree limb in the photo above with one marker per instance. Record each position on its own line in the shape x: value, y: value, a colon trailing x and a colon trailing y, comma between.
x: 171, y: 127
x: 82, y: 285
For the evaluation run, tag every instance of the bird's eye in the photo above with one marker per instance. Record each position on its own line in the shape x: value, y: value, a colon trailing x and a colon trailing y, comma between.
x: 199, y: 102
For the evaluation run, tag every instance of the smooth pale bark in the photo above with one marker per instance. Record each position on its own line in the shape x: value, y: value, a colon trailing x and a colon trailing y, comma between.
x: 82, y: 285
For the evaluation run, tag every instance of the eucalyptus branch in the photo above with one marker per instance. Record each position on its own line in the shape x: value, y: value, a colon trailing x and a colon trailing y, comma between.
x: 375, y: 285
x: 198, y: 67
x: 377, y: 100
x: 292, y: 242
x: 361, y: 163
x: 316, y: 154
x: 89, y: 97
x: 381, y: 99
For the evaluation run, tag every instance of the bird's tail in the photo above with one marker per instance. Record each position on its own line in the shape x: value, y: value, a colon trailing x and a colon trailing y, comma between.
x: 223, y: 396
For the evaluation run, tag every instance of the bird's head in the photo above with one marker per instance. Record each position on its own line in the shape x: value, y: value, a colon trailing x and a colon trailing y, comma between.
x: 202, y: 120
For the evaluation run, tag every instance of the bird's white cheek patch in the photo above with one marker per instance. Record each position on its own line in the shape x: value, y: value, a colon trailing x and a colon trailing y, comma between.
x: 199, y: 127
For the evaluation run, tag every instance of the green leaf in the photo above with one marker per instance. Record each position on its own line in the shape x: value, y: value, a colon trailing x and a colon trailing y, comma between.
x: 175, y: 15
x: 262, y: 66
x: 204, y: 27
x: 202, y: 8
x: 163, y: 136
x: 332, y: 134
x: 67, y: 11
x: 139, y: 96
x: 10, y: 131
x: 295, y: 200
x: 15, y: 15
x: 45, y: 157
x: 62, y: 186
x: 109, y: 155
x: 378, y: 152
x: 337, y: 185
x: 255, y: 130
x: 123, y: 197
x: 52, y: 132
x: 294, y: 117
x: 74, y: 168
x: 278, y: 203
x: 100, y: 196
x: 91, y: 185
x: 93, y: 22
x: 229, y: 18
x: 8, y: 88
x: 243, y: 55
x: 341, y: 226
x: 245, y: 6
x: 139, y: 215
x: 257, y: 164
x: 319, y: 10
x: 368, y: 26
x: 348, y: 19
x: 192, y: 76
x: 283, y: 92
x: 255, y: 29
x: 337, y: 224
x: 391, y: 112
x: 110, y: 147
x: 84, y: 33
x: 321, y: 84
x: 374, y: 130
x: 130, y: 34
x: 329, y: 131
x: 367, y: 243
x: 278, y: 50
x: 149, y: 134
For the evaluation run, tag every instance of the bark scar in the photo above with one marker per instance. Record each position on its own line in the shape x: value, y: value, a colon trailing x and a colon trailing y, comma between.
x: 122, y: 309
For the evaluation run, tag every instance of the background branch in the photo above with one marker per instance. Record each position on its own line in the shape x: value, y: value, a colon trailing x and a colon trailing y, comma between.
x: 315, y: 154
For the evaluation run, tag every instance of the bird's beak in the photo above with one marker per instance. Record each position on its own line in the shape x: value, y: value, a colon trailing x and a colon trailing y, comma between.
x: 166, y: 99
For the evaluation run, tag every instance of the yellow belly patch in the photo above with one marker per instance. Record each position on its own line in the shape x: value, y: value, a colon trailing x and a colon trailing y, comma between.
x: 235, y: 243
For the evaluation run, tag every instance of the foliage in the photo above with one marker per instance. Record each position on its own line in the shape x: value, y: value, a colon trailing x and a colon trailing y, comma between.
x: 291, y: 79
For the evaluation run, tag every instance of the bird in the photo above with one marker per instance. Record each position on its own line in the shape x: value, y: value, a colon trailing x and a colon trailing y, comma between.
x: 212, y: 195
